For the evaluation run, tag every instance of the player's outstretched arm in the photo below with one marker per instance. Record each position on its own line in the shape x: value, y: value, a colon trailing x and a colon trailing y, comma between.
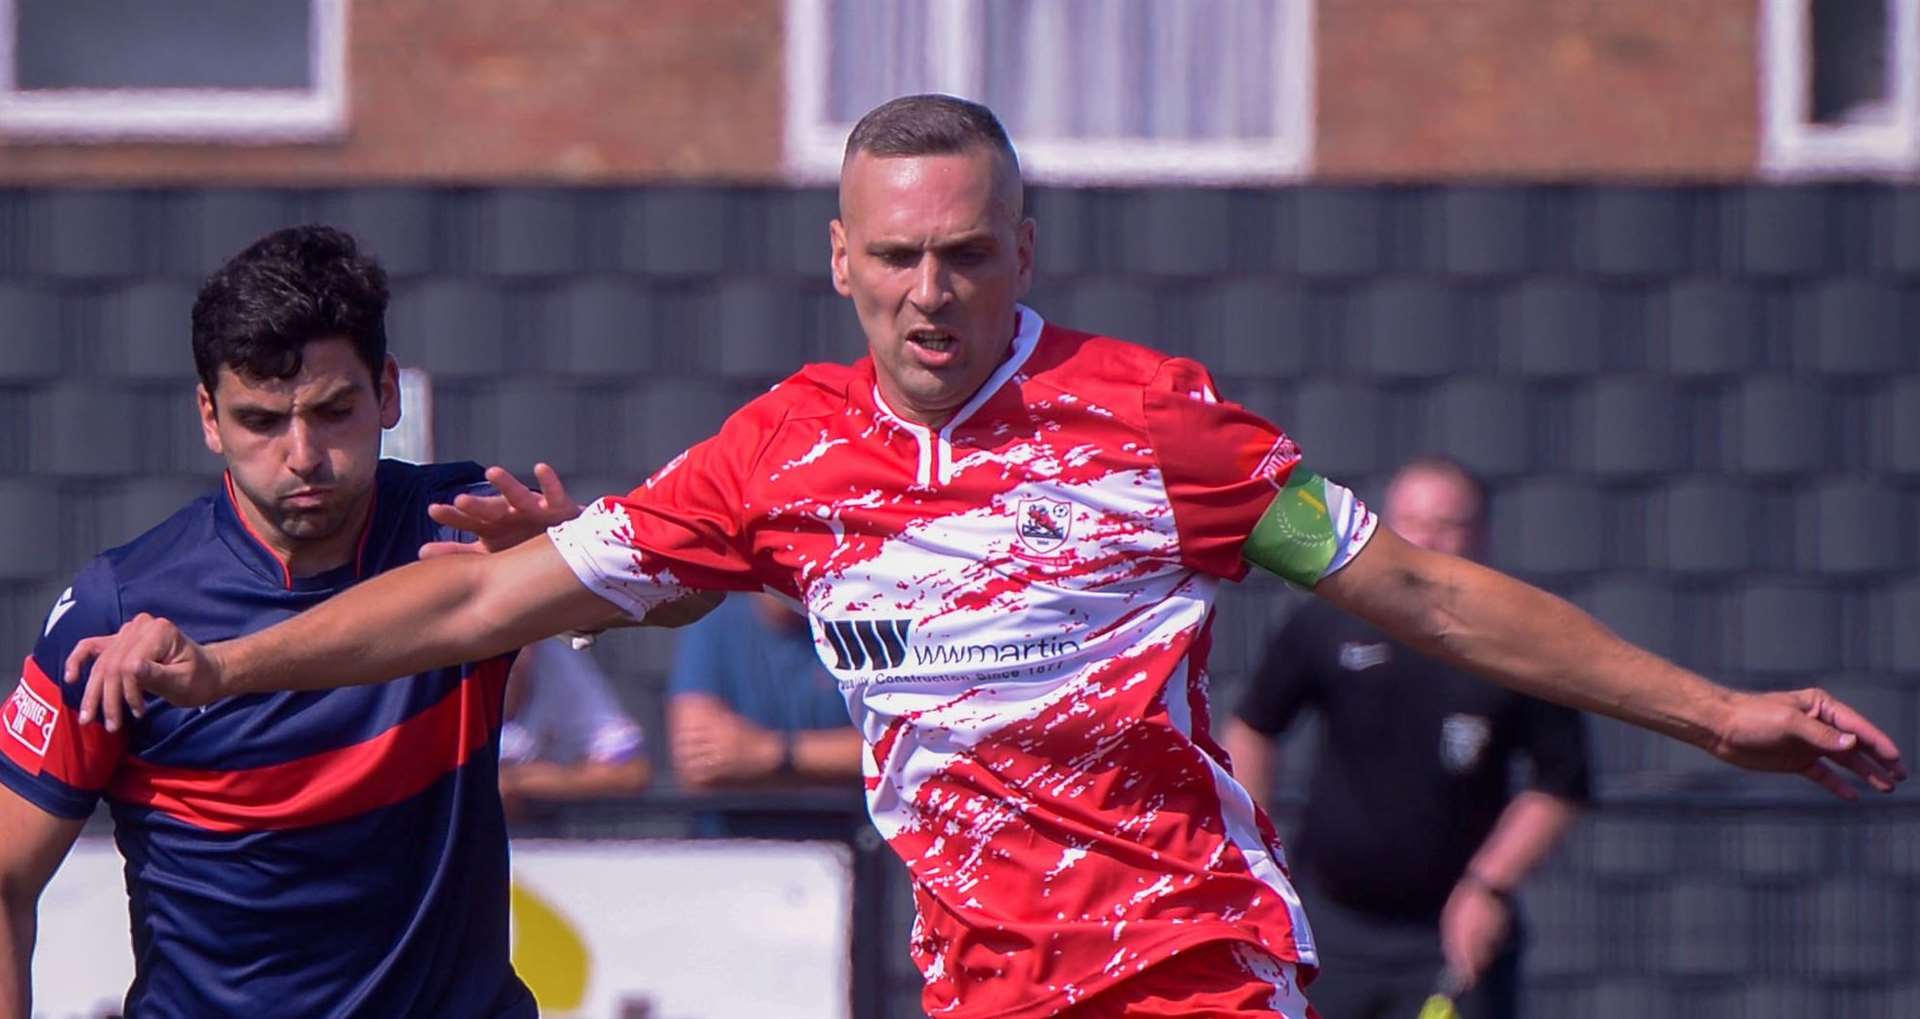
x: 35, y: 843
x: 1538, y: 644
x: 427, y: 615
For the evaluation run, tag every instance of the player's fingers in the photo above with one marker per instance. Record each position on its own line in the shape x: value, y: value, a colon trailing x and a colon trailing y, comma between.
x: 102, y: 698
x: 484, y: 509
x: 1823, y: 775
x: 1871, y: 770
x: 513, y: 491
x: 134, y: 696
x: 1873, y: 741
x: 90, y: 697
x: 1819, y: 735
x: 82, y: 655
x: 551, y: 487
x: 111, y: 701
x: 447, y: 514
x: 436, y: 549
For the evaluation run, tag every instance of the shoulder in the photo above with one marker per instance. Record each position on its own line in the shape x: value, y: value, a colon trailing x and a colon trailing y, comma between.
x: 1090, y: 358
x: 1116, y: 373
x: 815, y: 390
x: 181, y: 536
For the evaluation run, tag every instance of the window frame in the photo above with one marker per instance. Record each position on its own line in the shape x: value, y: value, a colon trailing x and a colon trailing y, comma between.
x: 187, y: 114
x: 815, y: 144
x: 1791, y: 144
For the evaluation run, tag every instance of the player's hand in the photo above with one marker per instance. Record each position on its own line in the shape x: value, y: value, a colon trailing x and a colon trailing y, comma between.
x: 719, y: 747
x: 1812, y: 733
x: 499, y: 522
x: 1473, y: 926
x: 148, y: 654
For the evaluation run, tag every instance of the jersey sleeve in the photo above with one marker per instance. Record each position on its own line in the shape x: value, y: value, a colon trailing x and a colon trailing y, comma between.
x: 1285, y: 681
x: 46, y: 755
x: 680, y: 532
x: 1555, y: 741
x: 1230, y: 473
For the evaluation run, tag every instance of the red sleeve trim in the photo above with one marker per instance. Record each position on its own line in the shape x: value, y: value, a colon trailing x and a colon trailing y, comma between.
x: 41, y: 734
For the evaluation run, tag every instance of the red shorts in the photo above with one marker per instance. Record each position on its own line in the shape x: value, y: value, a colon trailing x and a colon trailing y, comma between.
x: 1229, y: 979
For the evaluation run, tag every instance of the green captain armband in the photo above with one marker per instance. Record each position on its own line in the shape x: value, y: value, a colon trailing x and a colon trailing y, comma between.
x: 1299, y: 536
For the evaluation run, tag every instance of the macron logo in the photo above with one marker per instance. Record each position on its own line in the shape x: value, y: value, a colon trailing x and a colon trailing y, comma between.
x: 61, y: 607
x: 29, y: 719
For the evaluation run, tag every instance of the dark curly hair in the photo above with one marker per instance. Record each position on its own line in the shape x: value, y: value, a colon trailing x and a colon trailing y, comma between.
x: 259, y: 311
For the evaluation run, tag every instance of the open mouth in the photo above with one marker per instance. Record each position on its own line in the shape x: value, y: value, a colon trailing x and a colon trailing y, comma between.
x: 937, y: 344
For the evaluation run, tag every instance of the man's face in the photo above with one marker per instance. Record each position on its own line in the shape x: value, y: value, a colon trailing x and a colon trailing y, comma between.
x: 302, y: 450
x: 1435, y: 510
x: 934, y: 254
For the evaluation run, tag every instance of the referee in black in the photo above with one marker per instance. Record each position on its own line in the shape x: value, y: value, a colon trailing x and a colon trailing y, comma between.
x: 1412, y: 842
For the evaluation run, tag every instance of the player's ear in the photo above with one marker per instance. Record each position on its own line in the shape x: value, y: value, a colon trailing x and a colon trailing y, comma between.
x: 837, y: 244
x: 389, y: 393
x: 209, y: 420
x: 1023, y: 239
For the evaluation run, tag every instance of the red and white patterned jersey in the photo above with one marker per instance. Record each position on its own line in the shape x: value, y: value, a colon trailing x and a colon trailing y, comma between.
x: 1017, y: 606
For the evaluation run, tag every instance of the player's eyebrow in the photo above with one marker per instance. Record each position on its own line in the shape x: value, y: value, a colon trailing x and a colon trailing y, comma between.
x: 893, y: 245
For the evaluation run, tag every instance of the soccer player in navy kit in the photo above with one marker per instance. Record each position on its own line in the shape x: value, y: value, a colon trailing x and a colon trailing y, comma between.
x: 338, y: 854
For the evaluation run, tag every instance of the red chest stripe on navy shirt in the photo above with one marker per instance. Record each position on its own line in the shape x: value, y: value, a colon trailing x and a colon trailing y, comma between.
x: 332, y: 786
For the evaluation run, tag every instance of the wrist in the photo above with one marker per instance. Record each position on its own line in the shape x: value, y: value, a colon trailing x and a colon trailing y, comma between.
x: 222, y: 667
x: 783, y: 760
x: 1493, y: 889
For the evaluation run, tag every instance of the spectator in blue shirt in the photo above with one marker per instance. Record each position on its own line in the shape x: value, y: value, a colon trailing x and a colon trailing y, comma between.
x: 751, y: 706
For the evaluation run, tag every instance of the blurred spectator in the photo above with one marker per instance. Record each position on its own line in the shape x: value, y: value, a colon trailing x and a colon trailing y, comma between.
x: 751, y: 705
x: 565, y: 736
x: 1412, y: 843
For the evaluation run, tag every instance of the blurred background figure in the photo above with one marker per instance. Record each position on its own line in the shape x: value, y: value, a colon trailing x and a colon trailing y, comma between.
x: 566, y: 736
x: 1412, y: 843
x: 751, y: 707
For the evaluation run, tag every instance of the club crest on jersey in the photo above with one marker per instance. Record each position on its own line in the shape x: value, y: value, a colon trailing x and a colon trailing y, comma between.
x: 29, y: 719
x: 1463, y: 738
x: 1043, y: 524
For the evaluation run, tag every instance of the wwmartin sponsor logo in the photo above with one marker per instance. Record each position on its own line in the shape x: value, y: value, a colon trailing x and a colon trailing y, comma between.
x: 885, y: 645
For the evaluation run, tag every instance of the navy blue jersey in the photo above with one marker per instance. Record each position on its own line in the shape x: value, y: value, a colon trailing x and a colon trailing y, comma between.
x: 327, y: 854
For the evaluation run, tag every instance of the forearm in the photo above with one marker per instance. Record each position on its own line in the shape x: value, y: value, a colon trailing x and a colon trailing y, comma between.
x: 427, y: 615
x: 1524, y: 835
x: 17, y: 931
x: 1524, y: 638
x: 544, y: 780
x: 1252, y: 756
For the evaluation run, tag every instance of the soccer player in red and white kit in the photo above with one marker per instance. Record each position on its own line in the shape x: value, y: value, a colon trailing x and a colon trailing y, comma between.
x: 1007, y: 537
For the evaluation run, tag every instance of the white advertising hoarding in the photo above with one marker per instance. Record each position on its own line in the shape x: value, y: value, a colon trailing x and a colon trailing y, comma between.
x: 601, y: 930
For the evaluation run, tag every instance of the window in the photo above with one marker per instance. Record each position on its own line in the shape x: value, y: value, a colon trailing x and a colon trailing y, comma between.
x: 208, y: 70
x: 1091, y: 90
x: 1840, y: 86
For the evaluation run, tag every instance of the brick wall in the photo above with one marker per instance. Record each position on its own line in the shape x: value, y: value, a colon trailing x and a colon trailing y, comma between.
x: 1520, y: 89
x: 603, y: 91
x: 578, y: 91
